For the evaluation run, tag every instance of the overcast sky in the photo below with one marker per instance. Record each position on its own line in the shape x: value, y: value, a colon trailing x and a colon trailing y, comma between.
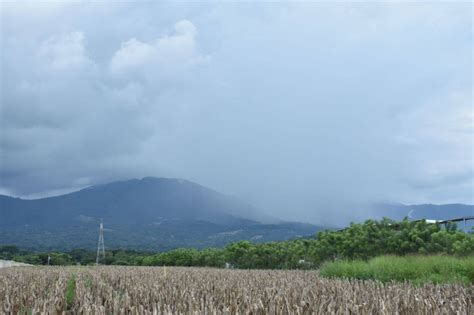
x: 304, y: 110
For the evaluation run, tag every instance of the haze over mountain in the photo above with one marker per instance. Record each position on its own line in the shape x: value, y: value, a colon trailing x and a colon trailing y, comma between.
x: 151, y: 213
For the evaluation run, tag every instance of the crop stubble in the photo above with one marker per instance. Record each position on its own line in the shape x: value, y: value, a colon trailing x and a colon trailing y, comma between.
x: 158, y: 290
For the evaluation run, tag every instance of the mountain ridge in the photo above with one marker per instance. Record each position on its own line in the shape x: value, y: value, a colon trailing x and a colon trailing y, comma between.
x: 152, y: 213
x: 160, y: 214
x: 398, y: 211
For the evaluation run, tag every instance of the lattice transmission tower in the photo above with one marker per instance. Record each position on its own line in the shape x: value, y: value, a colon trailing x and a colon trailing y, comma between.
x: 100, y: 246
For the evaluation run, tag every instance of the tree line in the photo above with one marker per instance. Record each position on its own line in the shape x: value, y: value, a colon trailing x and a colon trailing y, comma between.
x: 358, y: 241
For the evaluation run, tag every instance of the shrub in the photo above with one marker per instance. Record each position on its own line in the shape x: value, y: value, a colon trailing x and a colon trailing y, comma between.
x: 417, y: 269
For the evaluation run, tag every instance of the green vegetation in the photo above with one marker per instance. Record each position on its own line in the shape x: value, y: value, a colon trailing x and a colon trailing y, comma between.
x: 77, y: 256
x: 70, y: 291
x: 357, y: 242
x: 415, y: 268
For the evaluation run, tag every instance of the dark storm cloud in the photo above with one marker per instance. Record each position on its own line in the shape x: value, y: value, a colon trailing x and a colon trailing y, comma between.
x: 305, y: 110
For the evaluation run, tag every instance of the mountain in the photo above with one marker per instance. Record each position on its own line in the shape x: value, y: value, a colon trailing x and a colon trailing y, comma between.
x: 149, y: 213
x: 422, y: 211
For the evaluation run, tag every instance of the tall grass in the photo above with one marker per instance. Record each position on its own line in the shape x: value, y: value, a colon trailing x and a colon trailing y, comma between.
x: 417, y: 269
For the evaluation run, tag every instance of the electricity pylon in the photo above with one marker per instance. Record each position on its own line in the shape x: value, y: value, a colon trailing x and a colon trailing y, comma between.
x: 100, y: 246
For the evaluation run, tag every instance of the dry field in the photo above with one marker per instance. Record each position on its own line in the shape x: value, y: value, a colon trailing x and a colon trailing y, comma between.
x: 156, y: 290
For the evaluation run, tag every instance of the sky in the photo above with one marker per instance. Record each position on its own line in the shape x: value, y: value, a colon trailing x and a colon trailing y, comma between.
x: 309, y: 111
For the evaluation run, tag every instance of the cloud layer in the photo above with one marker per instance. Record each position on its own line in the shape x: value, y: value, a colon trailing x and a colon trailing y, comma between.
x: 306, y: 110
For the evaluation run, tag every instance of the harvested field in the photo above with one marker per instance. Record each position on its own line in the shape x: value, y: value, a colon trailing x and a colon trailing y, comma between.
x: 158, y: 290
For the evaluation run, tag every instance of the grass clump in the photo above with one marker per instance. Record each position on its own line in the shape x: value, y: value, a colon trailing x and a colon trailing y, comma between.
x: 416, y: 269
x: 70, y: 291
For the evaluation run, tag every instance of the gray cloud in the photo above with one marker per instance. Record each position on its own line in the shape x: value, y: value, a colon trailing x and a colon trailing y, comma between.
x: 306, y: 110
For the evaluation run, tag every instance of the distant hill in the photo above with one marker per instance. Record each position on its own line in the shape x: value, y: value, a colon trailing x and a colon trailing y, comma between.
x: 150, y: 213
x: 422, y: 211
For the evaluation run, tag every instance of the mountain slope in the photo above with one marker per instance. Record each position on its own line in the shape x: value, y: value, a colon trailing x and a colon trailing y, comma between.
x: 423, y: 211
x: 151, y: 213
